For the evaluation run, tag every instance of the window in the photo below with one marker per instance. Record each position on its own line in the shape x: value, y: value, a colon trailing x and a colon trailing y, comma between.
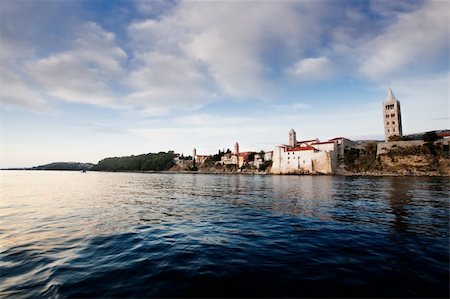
x: 393, y: 122
x: 388, y: 130
x: 387, y: 123
x: 393, y: 115
x: 387, y: 115
x: 393, y: 130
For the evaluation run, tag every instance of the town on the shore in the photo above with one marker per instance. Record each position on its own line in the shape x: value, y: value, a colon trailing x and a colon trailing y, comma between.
x: 336, y: 155
x: 414, y: 154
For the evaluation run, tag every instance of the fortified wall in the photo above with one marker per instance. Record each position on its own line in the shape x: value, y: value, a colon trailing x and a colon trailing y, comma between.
x: 385, y: 147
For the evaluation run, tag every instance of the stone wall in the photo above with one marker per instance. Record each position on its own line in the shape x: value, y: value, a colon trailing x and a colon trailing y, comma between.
x: 385, y: 147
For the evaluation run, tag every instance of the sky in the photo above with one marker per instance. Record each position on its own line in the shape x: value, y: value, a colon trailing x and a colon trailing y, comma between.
x: 85, y: 80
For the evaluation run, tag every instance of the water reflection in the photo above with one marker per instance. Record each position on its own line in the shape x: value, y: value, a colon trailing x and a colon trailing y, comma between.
x: 398, y: 198
x: 302, y: 195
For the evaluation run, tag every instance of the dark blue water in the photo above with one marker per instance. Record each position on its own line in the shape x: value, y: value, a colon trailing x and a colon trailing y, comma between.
x: 69, y: 234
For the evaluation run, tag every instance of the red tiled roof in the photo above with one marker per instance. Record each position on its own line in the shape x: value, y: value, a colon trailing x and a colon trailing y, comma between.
x: 303, y: 141
x: 301, y: 148
x: 325, y: 142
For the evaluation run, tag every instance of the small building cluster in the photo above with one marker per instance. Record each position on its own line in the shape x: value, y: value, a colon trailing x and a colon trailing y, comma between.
x: 200, y: 159
x: 245, y: 158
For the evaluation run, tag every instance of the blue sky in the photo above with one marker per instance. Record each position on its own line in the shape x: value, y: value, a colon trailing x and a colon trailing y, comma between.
x: 85, y: 80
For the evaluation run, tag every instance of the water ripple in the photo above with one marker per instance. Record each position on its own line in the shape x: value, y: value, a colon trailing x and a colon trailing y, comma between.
x: 160, y: 235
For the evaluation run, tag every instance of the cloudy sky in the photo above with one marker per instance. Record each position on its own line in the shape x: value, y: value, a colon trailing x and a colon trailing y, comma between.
x: 84, y: 80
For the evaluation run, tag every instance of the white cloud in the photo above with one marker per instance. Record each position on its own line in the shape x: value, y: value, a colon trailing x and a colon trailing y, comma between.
x: 85, y: 73
x: 14, y: 90
x: 390, y: 9
x: 164, y: 82
x: 153, y: 8
x: 289, y: 107
x: 320, y: 68
x: 417, y: 41
x: 208, y: 120
x: 15, y: 93
x: 424, y: 102
x: 238, y: 44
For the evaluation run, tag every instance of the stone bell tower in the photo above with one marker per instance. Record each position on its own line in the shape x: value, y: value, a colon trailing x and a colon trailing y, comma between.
x: 392, y: 116
x: 236, y: 148
x: 292, y: 138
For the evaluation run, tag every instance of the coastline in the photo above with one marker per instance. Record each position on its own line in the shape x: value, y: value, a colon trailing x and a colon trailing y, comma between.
x: 342, y: 174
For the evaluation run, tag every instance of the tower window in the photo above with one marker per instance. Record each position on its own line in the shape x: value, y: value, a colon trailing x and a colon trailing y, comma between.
x: 388, y: 130
x: 387, y: 123
x: 393, y: 122
x: 393, y: 130
x: 387, y: 115
x: 393, y: 115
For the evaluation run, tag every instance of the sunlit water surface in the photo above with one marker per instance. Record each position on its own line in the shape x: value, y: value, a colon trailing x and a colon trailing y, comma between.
x: 73, y: 234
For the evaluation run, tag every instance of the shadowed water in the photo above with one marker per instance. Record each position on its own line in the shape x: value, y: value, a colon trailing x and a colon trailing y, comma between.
x: 70, y: 234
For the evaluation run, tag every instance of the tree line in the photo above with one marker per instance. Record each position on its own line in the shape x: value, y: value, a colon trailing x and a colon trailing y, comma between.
x: 144, y: 162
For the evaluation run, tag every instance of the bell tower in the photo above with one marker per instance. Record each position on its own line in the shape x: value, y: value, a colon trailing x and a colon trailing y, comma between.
x: 292, y: 138
x: 392, y: 116
x: 236, y: 148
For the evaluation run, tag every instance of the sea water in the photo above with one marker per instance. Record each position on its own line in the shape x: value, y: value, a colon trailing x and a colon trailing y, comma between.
x: 73, y: 234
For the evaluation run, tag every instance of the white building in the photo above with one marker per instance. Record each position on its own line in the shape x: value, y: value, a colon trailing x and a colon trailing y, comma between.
x: 199, y: 159
x: 342, y: 145
x: 309, y: 156
x: 392, y: 116
x: 261, y: 158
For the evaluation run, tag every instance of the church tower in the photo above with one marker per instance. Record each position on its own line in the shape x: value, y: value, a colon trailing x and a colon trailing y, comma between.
x: 194, y: 153
x: 236, y: 148
x: 392, y: 116
x: 292, y: 138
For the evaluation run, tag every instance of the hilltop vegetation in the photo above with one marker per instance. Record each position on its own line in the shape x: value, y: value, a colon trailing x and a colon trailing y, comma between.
x: 145, y: 162
x: 64, y: 166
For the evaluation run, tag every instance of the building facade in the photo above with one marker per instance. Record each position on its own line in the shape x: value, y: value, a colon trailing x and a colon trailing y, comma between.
x: 238, y: 158
x: 392, y: 116
x: 198, y: 159
x: 343, y: 144
x: 303, y: 157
